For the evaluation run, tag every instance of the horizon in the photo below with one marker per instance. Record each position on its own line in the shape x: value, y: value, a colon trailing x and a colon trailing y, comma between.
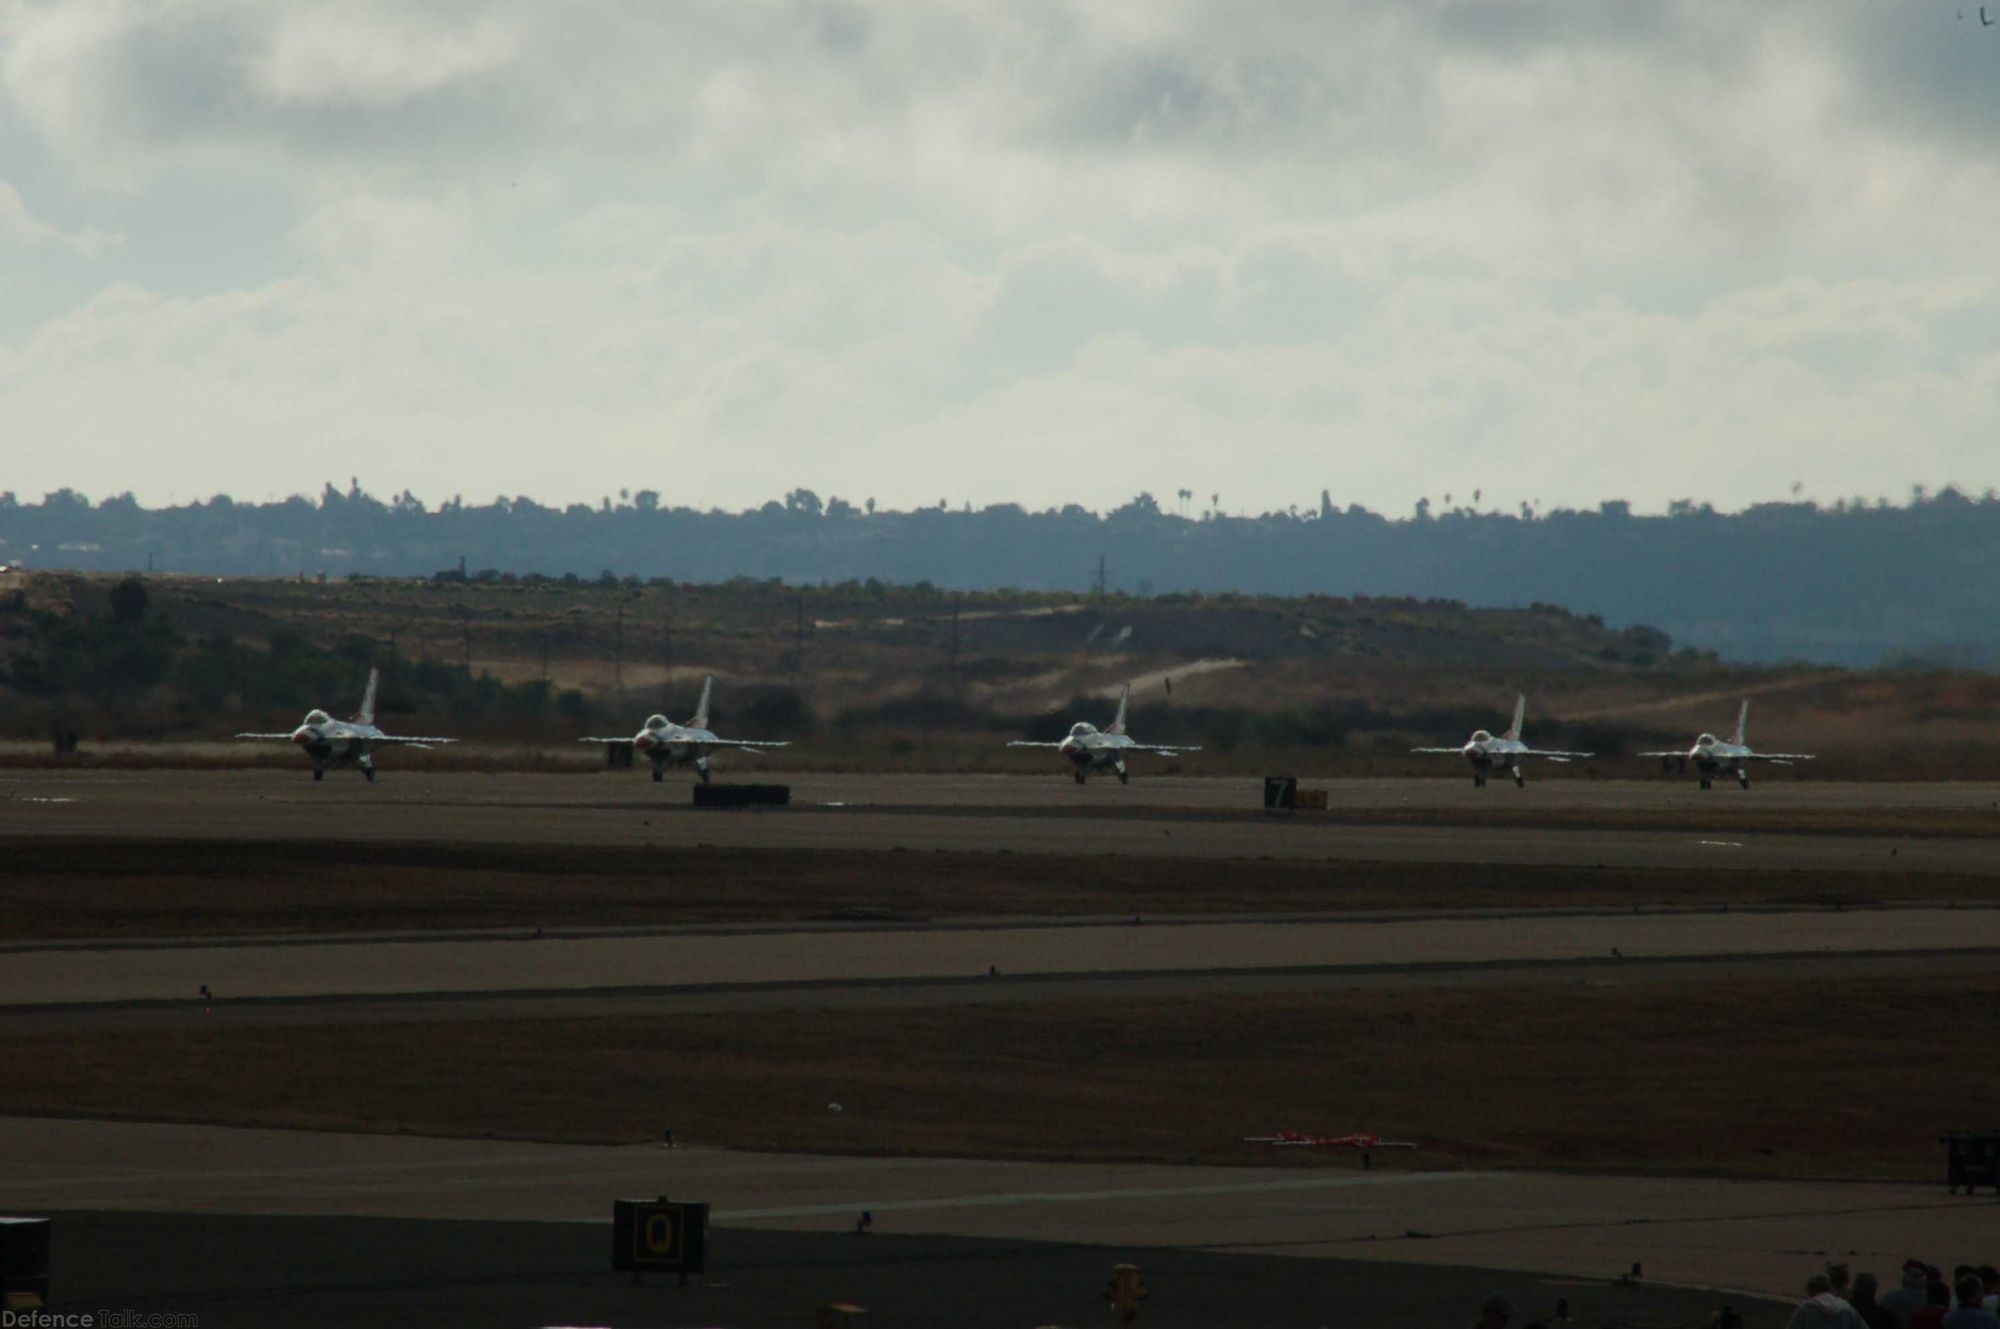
x: 1195, y: 508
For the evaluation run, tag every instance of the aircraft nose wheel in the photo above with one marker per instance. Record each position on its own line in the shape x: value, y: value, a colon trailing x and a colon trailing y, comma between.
x: 1743, y: 778
x: 1123, y: 778
x: 319, y: 772
x: 1520, y: 781
x: 1079, y: 775
x: 368, y: 774
x: 1707, y: 783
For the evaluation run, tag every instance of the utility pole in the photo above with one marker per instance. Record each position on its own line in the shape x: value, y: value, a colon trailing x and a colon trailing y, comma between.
x: 1101, y: 579
x: 956, y: 598
x: 799, y: 638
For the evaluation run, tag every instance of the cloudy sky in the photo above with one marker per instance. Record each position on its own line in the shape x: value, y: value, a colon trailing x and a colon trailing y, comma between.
x: 1020, y: 252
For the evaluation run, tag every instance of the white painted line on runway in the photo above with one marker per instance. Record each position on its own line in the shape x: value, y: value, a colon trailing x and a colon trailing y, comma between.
x: 1074, y: 1197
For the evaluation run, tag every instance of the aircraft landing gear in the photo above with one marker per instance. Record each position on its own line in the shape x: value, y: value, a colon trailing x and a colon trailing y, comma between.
x: 1520, y: 780
x: 1080, y: 777
x: 1123, y: 778
x: 1479, y: 779
x: 701, y: 768
x: 1743, y: 778
x: 368, y: 770
x: 319, y: 772
x: 1707, y: 783
x: 659, y: 773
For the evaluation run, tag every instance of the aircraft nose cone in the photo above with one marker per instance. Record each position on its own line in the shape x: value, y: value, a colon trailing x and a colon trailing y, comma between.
x: 303, y: 736
x: 643, y: 741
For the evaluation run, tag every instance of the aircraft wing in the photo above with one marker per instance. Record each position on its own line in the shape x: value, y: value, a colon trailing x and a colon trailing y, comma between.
x: 1677, y: 752
x: 1024, y: 743
x: 287, y: 735
x: 1148, y: 747
x: 626, y: 739
x: 1456, y: 752
x: 412, y: 742
x: 747, y: 744
x: 1778, y: 756
x: 1554, y: 756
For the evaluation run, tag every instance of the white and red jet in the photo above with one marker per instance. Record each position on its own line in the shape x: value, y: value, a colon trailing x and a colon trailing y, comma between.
x: 1711, y: 756
x: 1487, y: 753
x: 331, y: 742
x: 669, y: 744
x: 1088, y: 748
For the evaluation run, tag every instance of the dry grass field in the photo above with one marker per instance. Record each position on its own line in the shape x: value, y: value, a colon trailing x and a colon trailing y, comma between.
x: 1842, y: 1072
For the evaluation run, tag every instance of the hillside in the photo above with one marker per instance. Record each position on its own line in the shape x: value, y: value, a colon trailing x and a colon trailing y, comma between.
x: 908, y: 675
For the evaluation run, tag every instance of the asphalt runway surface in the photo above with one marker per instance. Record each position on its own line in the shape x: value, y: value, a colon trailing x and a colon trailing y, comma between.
x: 386, y: 1229
x: 299, y: 969
x: 1745, y: 1236
x: 1185, y: 818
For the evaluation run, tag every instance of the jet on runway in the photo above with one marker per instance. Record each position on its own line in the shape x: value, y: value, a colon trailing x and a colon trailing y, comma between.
x: 1089, y: 748
x: 1487, y: 753
x: 347, y: 742
x: 1712, y: 756
x: 670, y: 744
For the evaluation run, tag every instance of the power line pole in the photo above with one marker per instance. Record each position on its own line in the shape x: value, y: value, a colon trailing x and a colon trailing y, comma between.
x: 799, y: 638
x: 956, y: 598
x: 1101, y: 579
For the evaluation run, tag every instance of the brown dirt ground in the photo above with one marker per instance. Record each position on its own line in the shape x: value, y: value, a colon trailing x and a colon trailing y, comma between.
x: 53, y: 889
x: 1789, y: 1075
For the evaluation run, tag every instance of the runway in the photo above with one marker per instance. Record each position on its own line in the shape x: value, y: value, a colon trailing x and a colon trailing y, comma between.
x: 1732, y: 1235
x: 1887, y: 828
x: 667, y: 961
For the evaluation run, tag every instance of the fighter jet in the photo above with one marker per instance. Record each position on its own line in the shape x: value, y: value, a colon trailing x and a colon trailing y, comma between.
x: 343, y: 742
x: 670, y: 744
x: 1712, y: 756
x: 1089, y: 748
x: 1486, y: 753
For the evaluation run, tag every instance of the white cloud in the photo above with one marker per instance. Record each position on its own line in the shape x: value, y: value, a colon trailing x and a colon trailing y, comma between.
x: 21, y: 226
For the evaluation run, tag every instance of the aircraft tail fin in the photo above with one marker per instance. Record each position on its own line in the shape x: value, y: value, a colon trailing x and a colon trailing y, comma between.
x: 1124, y: 700
x: 1742, y: 723
x: 1520, y: 713
x: 700, y: 720
x: 366, y: 715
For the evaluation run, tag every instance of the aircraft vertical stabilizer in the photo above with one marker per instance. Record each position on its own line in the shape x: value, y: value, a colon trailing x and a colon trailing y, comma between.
x: 700, y: 720
x: 1742, y: 723
x: 366, y: 715
x: 1117, y: 725
x: 1520, y: 713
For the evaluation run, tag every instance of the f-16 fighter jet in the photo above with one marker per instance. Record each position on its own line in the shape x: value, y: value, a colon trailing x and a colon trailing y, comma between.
x: 1089, y: 748
x: 331, y: 742
x: 670, y: 744
x: 1487, y: 753
x: 1711, y: 756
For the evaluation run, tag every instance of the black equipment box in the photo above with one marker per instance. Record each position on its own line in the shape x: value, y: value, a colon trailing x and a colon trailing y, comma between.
x: 1972, y: 1159
x: 659, y: 1236
x: 24, y: 1256
x: 1281, y: 793
x: 742, y: 795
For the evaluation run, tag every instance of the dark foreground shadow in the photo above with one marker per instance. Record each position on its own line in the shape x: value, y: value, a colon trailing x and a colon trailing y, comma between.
x: 273, y: 1272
